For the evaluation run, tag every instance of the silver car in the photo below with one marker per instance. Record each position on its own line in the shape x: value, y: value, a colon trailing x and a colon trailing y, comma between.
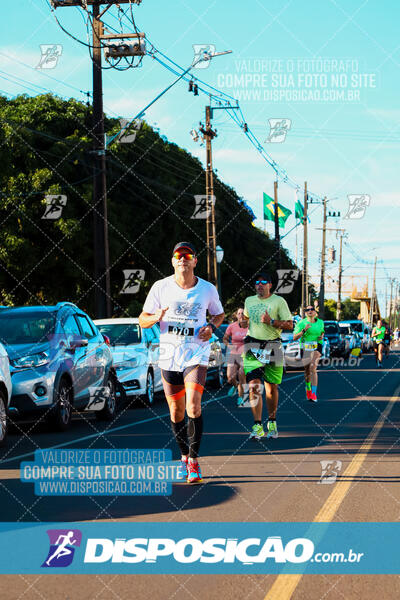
x: 5, y: 393
x: 59, y: 361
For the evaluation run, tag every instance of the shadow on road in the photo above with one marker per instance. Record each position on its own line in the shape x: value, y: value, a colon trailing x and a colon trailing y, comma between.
x: 19, y: 503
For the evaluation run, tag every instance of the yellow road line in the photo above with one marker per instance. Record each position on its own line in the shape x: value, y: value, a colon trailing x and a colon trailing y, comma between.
x: 285, y: 585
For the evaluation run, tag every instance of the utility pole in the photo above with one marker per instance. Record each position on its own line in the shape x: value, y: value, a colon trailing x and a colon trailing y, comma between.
x: 100, y: 222
x: 339, y: 300
x: 276, y: 215
x: 390, y: 305
x: 321, y: 300
x: 342, y: 235
x: 209, y: 134
x: 304, y: 275
x: 371, y: 314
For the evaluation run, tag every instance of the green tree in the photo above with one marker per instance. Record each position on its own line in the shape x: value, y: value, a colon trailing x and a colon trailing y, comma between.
x: 46, y: 148
x: 350, y: 309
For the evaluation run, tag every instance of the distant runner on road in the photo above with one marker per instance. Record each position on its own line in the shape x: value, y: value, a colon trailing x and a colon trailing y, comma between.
x: 310, y: 332
x: 234, y: 335
x: 378, y: 336
x: 180, y: 304
x: 387, y: 339
x: 268, y: 314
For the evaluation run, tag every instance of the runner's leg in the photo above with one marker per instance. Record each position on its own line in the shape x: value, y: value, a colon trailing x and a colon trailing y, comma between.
x: 232, y: 374
x: 307, y: 378
x: 272, y: 397
x: 174, y: 390
x: 314, y: 374
x: 380, y: 352
x: 194, y: 378
x: 242, y: 379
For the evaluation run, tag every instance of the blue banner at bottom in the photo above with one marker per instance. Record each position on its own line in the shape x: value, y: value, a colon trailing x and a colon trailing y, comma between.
x: 204, y: 548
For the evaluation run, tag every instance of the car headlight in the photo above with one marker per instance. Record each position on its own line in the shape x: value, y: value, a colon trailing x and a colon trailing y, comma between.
x: 127, y: 364
x: 31, y: 361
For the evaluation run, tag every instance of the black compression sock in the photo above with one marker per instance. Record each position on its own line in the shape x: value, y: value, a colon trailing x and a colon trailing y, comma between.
x: 194, y: 431
x: 180, y: 433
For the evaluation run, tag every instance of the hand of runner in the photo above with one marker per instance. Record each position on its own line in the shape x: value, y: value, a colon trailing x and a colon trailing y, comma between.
x: 205, y: 333
x: 265, y: 318
x: 307, y: 327
x: 160, y: 313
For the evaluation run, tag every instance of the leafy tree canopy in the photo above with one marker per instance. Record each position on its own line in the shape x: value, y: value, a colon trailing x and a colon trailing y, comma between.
x: 45, y: 146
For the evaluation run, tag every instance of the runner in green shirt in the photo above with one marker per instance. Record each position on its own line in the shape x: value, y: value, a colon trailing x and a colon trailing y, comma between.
x: 378, y: 335
x: 267, y: 314
x: 310, y: 332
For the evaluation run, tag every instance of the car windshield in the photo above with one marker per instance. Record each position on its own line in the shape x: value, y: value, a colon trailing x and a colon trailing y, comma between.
x: 356, y: 326
x: 25, y: 327
x: 331, y: 328
x: 345, y: 329
x: 121, y: 334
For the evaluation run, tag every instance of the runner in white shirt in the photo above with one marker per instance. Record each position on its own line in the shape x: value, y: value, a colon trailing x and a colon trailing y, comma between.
x: 180, y: 304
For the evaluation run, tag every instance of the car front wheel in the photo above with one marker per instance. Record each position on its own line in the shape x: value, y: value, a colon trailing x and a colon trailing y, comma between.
x: 62, y: 412
x: 149, y: 395
x: 110, y: 407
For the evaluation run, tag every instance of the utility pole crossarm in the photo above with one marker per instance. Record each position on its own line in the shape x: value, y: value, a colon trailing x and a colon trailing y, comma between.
x: 83, y: 3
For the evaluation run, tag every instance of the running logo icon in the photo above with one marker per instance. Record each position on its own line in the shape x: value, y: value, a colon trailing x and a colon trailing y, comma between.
x: 133, y: 279
x: 62, y: 547
x: 202, y: 51
x: 126, y: 135
x: 50, y: 53
x: 287, y: 279
x: 330, y: 470
x: 202, y: 211
x: 357, y: 205
x: 54, y: 206
x: 278, y: 129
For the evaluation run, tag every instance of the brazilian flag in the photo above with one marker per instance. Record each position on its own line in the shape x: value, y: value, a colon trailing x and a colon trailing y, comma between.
x: 298, y: 210
x: 269, y: 210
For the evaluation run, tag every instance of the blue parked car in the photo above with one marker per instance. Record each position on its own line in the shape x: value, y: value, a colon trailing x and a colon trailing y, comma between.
x: 59, y: 361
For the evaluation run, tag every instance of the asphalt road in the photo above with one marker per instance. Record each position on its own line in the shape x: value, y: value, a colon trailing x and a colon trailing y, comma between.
x: 244, y: 481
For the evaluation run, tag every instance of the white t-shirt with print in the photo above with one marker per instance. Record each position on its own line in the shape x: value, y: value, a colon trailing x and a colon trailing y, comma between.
x: 180, y: 346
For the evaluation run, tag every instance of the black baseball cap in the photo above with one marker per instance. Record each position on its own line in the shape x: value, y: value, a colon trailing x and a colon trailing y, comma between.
x: 184, y: 246
x: 265, y: 276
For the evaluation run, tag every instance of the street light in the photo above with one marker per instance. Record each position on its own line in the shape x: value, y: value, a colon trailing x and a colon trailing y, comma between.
x: 220, y: 257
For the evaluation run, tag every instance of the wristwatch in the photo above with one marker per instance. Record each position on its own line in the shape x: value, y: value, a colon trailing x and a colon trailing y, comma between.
x: 213, y: 327
x: 272, y: 321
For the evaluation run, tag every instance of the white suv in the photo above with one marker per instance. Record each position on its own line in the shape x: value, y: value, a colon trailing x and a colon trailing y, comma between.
x: 135, y: 356
x: 5, y: 393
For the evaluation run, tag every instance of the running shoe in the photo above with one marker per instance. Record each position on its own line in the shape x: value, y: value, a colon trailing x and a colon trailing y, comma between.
x: 272, y: 430
x: 194, y: 473
x: 313, y: 397
x: 257, y: 431
x: 240, y: 401
x: 232, y: 391
x: 183, y: 469
x: 308, y: 394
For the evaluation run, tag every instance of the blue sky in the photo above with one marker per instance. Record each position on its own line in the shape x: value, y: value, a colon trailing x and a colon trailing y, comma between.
x: 346, y: 145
